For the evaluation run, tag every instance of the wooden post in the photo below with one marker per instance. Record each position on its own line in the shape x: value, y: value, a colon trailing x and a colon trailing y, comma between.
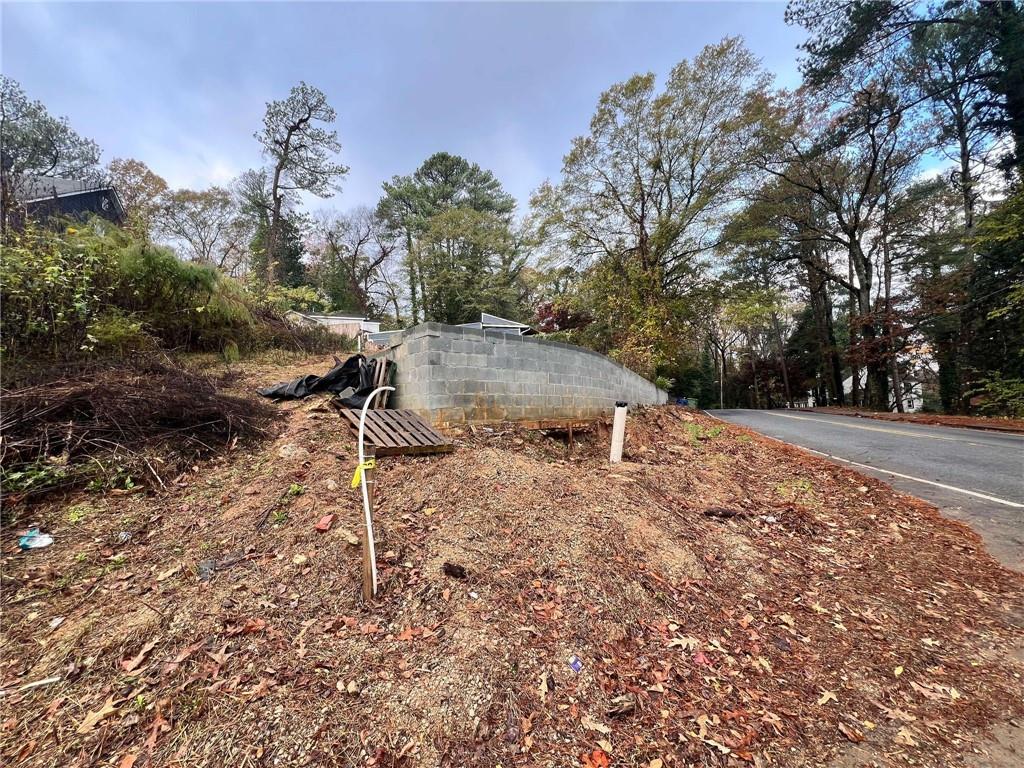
x: 368, y: 547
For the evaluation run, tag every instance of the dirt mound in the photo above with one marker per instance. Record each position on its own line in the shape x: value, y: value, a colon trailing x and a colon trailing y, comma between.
x: 717, y: 599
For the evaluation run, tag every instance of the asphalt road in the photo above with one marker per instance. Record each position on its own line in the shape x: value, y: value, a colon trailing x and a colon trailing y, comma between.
x: 970, y: 474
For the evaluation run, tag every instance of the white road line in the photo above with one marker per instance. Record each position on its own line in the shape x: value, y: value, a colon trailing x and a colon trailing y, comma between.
x: 953, y: 488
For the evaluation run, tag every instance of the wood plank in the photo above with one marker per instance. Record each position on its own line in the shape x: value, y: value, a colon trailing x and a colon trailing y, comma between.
x: 372, y: 431
x: 410, y: 434
x: 382, y: 426
x: 395, y: 432
x: 420, y: 427
x: 416, y: 426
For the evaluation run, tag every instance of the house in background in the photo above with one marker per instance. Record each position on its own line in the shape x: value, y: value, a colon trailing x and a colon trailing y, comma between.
x: 43, y: 198
x: 384, y: 339
x: 495, y: 323
x: 343, y: 325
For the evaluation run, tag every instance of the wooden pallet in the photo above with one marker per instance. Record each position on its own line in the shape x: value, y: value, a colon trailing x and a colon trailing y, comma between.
x: 395, y: 432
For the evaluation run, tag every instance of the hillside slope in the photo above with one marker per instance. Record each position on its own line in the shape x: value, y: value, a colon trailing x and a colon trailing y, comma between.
x: 717, y: 599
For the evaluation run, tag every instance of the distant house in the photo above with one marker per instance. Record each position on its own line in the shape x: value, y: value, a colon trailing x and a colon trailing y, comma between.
x: 384, y: 339
x: 43, y: 197
x: 343, y: 325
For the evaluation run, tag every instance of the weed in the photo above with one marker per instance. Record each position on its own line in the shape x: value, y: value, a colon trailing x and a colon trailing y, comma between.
x: 296, y: 489
x: 279, y: 516
x: 697, y: 433
x: 77, y: 513
x: 795, y: 488
x: 33, y: 477
x: 117, y: 562
x: 207, y: 546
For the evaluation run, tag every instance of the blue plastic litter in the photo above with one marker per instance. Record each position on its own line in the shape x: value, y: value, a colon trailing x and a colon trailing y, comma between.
x: 33, y: 539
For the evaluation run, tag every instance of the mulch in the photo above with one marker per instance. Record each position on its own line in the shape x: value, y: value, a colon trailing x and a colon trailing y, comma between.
x: 715, y: 600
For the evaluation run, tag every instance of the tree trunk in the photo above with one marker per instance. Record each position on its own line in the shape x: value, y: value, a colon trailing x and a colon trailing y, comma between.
x: 782, y: 358
x: 835, y: 363
x: 890, y: 336
x: 949, y: 372
x: 753, y: 379
x: 897, y: 385
x: 721, y: 383
x: 877, y: 378
x: 411, y: 264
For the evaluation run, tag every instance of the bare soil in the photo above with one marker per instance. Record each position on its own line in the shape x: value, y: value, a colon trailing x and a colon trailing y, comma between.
x: 715, y: 600
x: 997, y: 423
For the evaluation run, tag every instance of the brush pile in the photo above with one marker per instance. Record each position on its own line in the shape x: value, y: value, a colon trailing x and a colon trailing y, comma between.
x: 144, y: 417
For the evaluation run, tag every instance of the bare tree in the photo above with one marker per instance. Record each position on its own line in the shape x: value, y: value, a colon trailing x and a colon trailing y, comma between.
x: 841, y: 165
x: 300, y: 151
x: 199, y: 222
x: 353, y: 260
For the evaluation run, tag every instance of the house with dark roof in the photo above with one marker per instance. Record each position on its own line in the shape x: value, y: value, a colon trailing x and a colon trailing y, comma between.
x: 44, y: 197
x: 384, y: 339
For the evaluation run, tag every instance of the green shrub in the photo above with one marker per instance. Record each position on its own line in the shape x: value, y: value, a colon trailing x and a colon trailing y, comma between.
x: 1000, y: 396
x: 116, y: 334
x: 230, y: 352
x: 95, y: 290
x: 52, y: 286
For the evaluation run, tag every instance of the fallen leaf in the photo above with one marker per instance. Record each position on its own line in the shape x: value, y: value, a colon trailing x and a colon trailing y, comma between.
x: 169, y: 572
x: 131, y: 665
x: 128, y: 760
x: 595, y: 759
x: 686, y: 643
x: 851, y: 733
x: 898, y: 671
x: 221, y: 656
x: 94, y: 718
x: 655, y: 763
x: 160, y: 725
x: 588, y: 722
x: 826, y: 697
x: 905, y: 737
x: 605, y: 745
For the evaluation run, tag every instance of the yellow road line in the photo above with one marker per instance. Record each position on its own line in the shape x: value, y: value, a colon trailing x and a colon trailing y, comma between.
x: 869, y: 429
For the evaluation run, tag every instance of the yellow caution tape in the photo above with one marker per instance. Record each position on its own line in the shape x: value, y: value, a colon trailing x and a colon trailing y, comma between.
x: 368, y: 464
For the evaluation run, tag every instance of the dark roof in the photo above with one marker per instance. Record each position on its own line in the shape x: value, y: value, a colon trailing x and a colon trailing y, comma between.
x: 70, y: 196
x: 33, y: 188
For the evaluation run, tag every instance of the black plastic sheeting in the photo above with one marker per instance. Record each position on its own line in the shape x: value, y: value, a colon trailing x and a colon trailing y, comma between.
x: 357, y: 373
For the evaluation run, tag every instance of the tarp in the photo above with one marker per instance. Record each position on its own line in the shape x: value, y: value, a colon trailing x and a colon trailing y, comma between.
x: 356, y: 374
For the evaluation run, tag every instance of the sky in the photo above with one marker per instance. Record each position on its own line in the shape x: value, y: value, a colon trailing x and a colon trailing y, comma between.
x: 183, y: 86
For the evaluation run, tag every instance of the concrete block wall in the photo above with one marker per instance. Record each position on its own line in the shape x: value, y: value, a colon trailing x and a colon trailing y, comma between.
x: 450, y: 374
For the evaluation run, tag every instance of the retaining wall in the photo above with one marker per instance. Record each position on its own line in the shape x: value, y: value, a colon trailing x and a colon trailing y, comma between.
x: 452, y: 374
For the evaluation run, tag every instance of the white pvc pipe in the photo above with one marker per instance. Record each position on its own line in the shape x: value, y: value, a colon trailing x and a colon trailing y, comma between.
x: 618, y: 432
x: 367, y: 517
